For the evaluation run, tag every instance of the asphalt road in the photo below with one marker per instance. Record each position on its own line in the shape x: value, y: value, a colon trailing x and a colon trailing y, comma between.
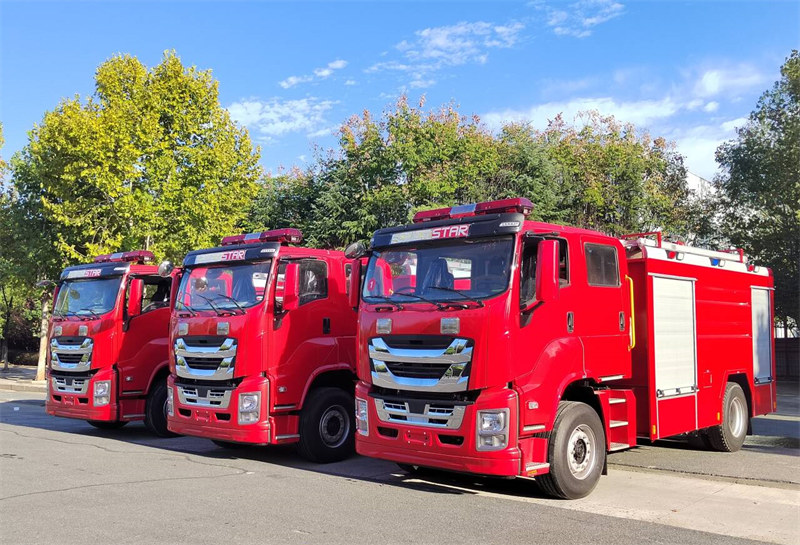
x: 62, y: 481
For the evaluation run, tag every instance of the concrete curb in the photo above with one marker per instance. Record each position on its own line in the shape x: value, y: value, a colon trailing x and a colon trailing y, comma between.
x: 27, y: 386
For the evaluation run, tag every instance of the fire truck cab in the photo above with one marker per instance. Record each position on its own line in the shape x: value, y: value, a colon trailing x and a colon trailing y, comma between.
x: 107, y: 343
x: 262, y: 346
x: 495, y: 345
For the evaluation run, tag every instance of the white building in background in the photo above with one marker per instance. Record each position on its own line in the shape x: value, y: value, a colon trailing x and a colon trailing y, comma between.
x: 699, y: 185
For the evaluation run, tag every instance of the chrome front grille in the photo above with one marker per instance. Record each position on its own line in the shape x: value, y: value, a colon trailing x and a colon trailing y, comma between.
x: 72, y: 354
x: 70, y: 385
x: 445, y: 415
x: 207, y: 359
x: 204, y: 396
x: 427, y: 368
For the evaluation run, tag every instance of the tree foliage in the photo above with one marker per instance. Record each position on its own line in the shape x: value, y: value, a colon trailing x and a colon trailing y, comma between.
x: 758, y: 194
x: 150, y: 160
x: 597, y: 173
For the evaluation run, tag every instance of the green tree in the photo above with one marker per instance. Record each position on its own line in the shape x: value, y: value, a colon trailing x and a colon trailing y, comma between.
x: 150, y: 160
x: 616, y: 179
x: 759, y: 190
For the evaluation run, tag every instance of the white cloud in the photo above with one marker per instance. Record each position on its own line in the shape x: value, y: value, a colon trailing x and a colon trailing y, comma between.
x: 291, y: 81
x: 640, y: 113
x: 579, y: 18
x: 275, y: 117
x: 320, y: 73
x: 699, y: 144
x: 436, y: 48
x: 711, y: 107
x: 350, y: 82
x: 325, y: 131
x: 724, y: 81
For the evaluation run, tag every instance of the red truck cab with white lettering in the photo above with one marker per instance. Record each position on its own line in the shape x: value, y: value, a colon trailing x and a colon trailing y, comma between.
x: 107, y: 343
x: 263, y: 346
x: 495, y: 345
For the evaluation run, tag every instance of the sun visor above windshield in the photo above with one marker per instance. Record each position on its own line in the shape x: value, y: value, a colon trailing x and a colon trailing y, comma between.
x: 228, y: 254
x: 469, y: 227
x: 95, y: 270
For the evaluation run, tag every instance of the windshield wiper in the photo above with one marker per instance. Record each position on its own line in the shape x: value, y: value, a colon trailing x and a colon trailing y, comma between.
x: 395, y: 304
x: 87, y: 309
x: 421, y: 298
x: 211, y: 304
x: 187, y: 307
x: 232, y: 300
x: 461, y: 293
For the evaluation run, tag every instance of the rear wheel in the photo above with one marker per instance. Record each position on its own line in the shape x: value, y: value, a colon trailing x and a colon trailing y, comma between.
x: 576, y: 452
x: 104, y: 425
x: 729, y: 436
x: 327, y: 422
x: 155, y: 412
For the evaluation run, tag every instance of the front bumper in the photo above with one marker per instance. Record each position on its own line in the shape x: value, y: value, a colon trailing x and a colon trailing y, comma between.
x: 80, y: 405
x: 440, y: 447
x: 202, y: 419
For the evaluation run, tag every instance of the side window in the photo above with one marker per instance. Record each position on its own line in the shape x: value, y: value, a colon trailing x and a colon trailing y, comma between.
x: 601, y: 265
x: 155, y: 293
x: 348, y: 268
x: 313, y: 280
x: 528, y: 270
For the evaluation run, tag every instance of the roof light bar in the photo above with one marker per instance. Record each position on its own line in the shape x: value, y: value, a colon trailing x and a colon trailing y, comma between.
x: 284, y: 236
x: 520, y: 205
x: 138, y: 256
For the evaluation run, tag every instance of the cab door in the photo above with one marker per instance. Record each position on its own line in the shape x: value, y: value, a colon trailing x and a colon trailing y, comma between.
x: 144, y: 331
x: 603, y: 317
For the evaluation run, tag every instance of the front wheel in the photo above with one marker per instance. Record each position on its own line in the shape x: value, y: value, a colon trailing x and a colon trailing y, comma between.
x: 576, y: 452
x: 155, y: 412
x: 729, y: 436
x: 105, y: 425
x: 326, y: 426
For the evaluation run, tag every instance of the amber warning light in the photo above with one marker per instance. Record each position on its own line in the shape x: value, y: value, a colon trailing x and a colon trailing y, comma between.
x: 519, y: 205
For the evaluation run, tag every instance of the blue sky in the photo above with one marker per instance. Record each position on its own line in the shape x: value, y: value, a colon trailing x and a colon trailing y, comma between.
x: 292, y: 72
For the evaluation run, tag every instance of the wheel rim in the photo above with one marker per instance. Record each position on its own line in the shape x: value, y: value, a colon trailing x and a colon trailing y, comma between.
x: 736, y: 417
x: 581, y: 452
x: 334, y: 426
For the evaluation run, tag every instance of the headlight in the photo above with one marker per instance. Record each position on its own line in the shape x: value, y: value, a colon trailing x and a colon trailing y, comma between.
x: 249, y: 407
x: 492, y: 422
x: 492, y: 429
x: 362, y: 417
x: 102, y: 393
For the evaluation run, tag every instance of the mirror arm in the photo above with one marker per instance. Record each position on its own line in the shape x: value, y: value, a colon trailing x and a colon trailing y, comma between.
x: 532, y: 308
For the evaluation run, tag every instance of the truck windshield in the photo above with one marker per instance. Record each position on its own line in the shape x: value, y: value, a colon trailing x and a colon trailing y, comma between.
x: 452, y: 271
x: 223, y: 286
x: 87, y: 297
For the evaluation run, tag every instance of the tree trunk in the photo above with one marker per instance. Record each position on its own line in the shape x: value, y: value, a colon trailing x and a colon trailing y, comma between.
x: 43, y: 339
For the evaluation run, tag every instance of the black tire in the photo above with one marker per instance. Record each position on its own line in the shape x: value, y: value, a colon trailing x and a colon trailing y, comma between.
x: 729, y: 436
x: 574, y: 475
x: 327, y: 426
x: 232, y: 445
x: 155, y: 411
x: 105, y: 425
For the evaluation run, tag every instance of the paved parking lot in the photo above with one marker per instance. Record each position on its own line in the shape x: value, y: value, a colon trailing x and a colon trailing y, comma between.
x: 62, y: 481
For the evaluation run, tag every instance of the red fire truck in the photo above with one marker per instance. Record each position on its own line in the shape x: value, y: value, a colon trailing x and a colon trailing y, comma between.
x: 495, y: 345
x: 263, y: 346
x: 107, y: 360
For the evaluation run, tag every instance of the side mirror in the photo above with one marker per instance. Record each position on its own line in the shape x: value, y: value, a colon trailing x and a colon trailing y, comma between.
x: 291, y: 287
x: 547, y: 271
x: 133, y: 306
x: 165, y: 268
x: 355, y: 250
x: 353, y: 294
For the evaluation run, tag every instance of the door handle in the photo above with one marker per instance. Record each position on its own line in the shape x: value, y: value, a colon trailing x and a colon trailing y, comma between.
x: 570, y: 322
x: 326, y: 326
